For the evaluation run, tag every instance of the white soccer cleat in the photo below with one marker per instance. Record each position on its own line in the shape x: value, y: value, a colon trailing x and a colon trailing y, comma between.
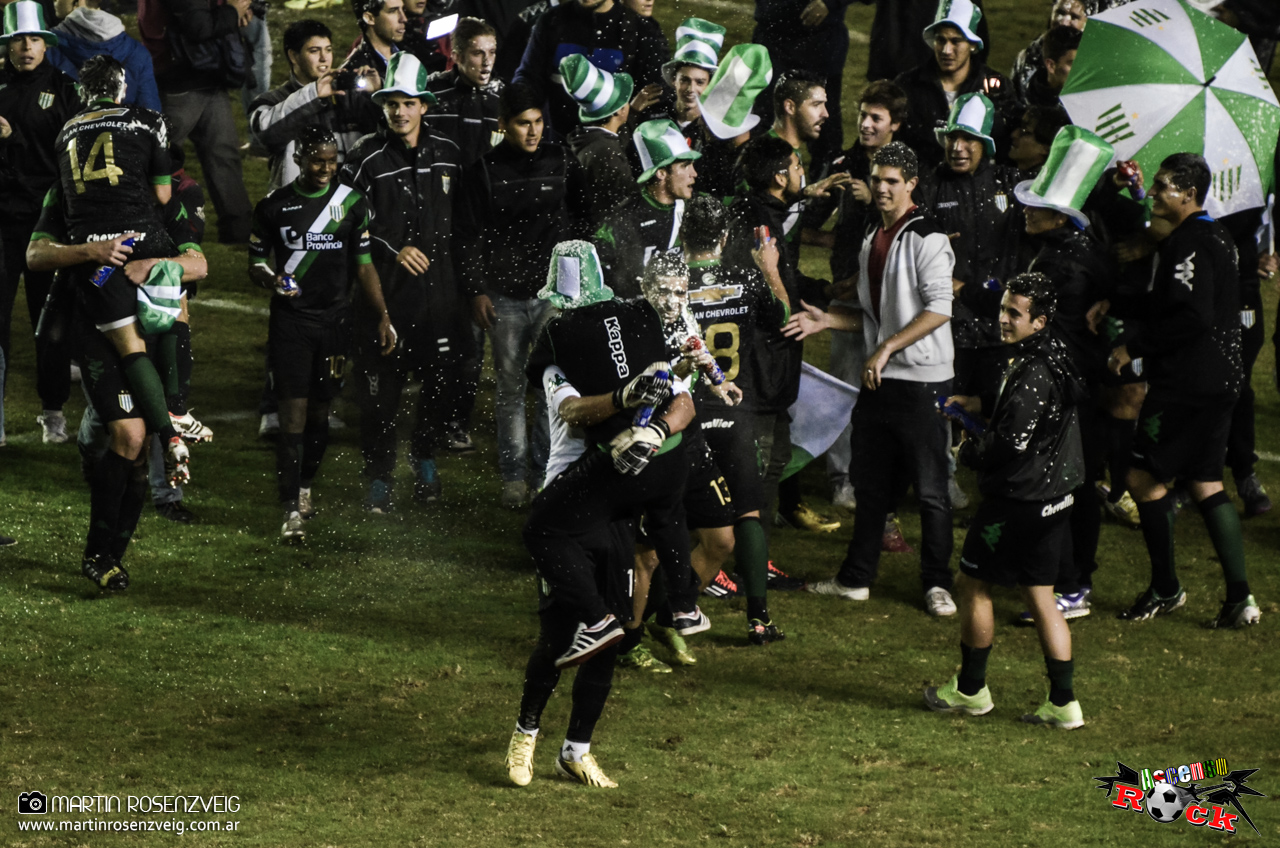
x: 189, y: 428
x: 176, y: 462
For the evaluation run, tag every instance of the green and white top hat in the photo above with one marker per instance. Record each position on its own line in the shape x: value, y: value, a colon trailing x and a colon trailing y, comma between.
x: 660, y: 143
x: 1077, y: 160
x: 972, y: 114
x: 698, y: 43
x: 26, y: 17
x: 745, y: 71
x: 597, y: 92
x: 964, y: 15
x: 405, y: 75
x: 574, y: 278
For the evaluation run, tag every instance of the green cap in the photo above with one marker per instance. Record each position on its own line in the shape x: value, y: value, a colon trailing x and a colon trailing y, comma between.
x: 698, y: 43
x: 964, y: 15
x: 574, y: 278
x: 405, y: 75
x: 597, y: 92
x: 973, y: 115
x: 1076, y: 162
x: 660, y: 143
x: 26, y: 17
x: 726, y: 104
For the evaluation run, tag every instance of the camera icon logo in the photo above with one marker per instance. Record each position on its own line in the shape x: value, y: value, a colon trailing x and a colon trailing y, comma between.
x: 33, y: 803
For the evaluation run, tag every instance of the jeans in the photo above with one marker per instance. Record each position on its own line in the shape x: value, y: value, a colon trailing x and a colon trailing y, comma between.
x: 899, y: 437
x: 53, y: 359
x: 258, y: 38
x: 205, y: 117
x: 512, y: 336
x: 848, y: 354
x: 161, y: 492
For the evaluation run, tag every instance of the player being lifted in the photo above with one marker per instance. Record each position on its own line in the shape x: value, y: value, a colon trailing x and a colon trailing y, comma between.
x: 308, y: 238
x: 114, y: 175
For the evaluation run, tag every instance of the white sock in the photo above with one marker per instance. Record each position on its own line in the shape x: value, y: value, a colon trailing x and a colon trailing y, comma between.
x: 601, y: 623
x: 304, y: 492
x: 571, y: 752
x: 520, y: 729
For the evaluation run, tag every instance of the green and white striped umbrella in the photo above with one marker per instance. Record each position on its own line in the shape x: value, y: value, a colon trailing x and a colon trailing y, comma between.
x: 1158, y: 77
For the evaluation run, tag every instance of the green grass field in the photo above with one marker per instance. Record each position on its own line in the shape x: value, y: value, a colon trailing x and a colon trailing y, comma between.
x: 361, y: 690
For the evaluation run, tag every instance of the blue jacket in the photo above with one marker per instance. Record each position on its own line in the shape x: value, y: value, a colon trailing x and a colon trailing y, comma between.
x: 74, y: 49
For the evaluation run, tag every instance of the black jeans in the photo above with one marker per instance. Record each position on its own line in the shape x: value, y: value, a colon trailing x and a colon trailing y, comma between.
x: 53, y: 362
x: 591, y: 493
x: 899, y: 437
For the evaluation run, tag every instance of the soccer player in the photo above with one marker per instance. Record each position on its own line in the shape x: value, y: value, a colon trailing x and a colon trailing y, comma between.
x: 408, y: 176
x: 1189, y: 344
x: 35, y: 101
x: 1029, y: 459
x: 602, y: 346
x: 315, y: 232
x: 904, y: 290
x: 736, y: 307
x: 114, y: 176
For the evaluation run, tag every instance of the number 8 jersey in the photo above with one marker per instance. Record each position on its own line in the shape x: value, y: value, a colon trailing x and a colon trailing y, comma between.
x: 109, y: 157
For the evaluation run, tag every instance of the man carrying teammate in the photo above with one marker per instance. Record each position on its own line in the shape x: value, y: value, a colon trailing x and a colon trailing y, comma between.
x: 308, y: 237
x: 1029, y: 459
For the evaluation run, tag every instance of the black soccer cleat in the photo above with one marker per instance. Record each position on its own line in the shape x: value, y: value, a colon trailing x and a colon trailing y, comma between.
x: 780, y: 581
x: 763, y: 632
x: 106, y: 571
x: 1149, y: 605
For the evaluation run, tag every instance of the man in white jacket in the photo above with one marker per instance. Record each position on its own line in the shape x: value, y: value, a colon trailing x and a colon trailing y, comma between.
x: 904, y: 286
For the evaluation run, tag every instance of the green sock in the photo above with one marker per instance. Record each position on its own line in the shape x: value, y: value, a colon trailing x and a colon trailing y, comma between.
x: 1061, y: 672
x: 1228, y: 542
x: 973, y: 669
x: 148, y: 393
x: 751, y: 555
x: 166, y: 351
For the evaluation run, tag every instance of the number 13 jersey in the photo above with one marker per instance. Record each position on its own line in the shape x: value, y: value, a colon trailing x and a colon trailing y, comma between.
x: 109, y: 157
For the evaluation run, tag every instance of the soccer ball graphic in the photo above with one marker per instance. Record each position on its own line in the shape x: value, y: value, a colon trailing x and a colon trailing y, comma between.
x: 1165, y: 803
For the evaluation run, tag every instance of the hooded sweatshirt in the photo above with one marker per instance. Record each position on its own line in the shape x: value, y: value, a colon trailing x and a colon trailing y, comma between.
x: 91, y: 32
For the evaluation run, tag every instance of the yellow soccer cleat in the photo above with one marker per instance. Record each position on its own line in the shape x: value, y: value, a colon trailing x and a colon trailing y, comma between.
x: 520, y: 758
x: 586, y: 772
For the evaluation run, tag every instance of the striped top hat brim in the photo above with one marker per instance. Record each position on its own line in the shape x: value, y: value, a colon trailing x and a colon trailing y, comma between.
x: 964, y: 15
x: 26, y: 17
x: 726, y: 104
x: 659, y: 144
x: 406, y: 76
x: 698, y: 43
x: 597, y: 92
x: 1077, y: 160
x: 972, y: 114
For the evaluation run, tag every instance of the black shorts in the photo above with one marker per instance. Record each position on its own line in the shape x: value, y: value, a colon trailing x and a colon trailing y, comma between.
x: 1182, y: 441
x: 1017, y: 543
x: 110, y: 306
x: 305, y: 358
x: 708, y: 500
x: 611, y: 548
x: 731, y: 436
x: 104, y: 380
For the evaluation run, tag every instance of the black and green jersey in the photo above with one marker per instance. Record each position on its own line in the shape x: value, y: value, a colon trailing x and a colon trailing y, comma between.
x: 109, y: 158
x: 318, y: 239
x: 735, y: 310
x: 630, y: 236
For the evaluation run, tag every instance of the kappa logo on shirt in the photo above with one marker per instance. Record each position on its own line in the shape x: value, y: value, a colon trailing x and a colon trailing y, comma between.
x: 1185, y: 272
x: 619, y: 354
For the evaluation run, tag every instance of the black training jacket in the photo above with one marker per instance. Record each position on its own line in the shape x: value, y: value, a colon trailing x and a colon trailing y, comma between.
x: 464, y: 113
x: 927, y: 107
x: 1083, y: 274
x: 1031, y: 450
x: 36, y: 104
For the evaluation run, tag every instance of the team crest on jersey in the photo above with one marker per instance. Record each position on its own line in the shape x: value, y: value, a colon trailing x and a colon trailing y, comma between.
x: 1002, y: 202
x: 45, y: 99
x: 126, y: 401
x: 336, y: 213
x: 445, y: 181
x: 1248, y: 317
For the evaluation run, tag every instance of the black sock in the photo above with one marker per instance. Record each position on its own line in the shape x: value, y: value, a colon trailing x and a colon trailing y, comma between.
x: 288, y: 466
x: 131, y: 504
x: 1061, y: 692
x: 658, y: 606
x: 110, y: 478
x: 182, y: 368
x: 789, y: 495
x: 590, y: 691
x: 758, y: 608
x: 1119, y: 450
x: 1157, y: 532
x: 315, y: 440
x: 630, y: 638
x: 148, y: 394
x: 973, y: 669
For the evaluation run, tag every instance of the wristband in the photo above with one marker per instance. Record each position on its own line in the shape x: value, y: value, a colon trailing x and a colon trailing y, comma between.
x: 617, y: 398
x: 661, y: 426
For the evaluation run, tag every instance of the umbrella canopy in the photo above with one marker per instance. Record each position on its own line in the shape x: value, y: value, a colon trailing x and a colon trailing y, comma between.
x: 1158, y: 77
